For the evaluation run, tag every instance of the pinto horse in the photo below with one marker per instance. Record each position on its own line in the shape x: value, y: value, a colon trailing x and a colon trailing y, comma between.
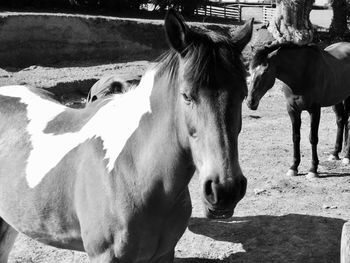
x: 313, y: 78
x: 112, y: 179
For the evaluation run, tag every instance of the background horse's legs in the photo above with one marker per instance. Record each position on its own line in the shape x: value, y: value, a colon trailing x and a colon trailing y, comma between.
x: 7, y: 239
x: 315, y: 114
x: 342, y: 118
x: 346, y: 159
x: 296, y: 123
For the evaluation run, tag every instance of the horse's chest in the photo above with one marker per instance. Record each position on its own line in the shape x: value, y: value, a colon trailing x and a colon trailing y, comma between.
x: 152, y: 234
x: 165, y: 234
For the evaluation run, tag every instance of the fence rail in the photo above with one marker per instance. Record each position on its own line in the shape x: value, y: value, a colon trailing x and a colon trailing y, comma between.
x: 232, y: 12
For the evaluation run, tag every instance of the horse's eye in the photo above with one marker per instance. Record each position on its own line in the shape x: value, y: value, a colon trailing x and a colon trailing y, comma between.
x: 188, y: 99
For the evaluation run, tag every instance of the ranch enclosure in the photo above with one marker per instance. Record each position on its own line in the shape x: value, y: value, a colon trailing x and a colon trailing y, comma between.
x: 281, y: 219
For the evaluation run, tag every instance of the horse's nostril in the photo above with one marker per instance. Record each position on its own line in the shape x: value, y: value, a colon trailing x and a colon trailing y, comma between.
x: 208, y: 188
x: 209, y: 192
x: 250, y: 102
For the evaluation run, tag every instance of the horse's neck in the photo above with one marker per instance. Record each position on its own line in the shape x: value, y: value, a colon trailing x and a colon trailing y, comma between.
x: 158, y: 156
x: 291, y: 66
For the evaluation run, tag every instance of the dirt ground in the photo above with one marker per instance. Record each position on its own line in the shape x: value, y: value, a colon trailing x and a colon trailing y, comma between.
x: 281, y: 219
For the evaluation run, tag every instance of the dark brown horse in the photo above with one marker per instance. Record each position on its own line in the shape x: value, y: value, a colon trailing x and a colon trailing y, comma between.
x: 112, y: 179
x: 313, y: 78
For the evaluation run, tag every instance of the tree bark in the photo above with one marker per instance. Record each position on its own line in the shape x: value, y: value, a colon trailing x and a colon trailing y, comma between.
x: 338, y: 26
x: 291, y: 22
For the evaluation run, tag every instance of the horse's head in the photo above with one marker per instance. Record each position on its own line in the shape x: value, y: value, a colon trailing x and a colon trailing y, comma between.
x: 106, y: 86
x: 210, y: 88
x: 263, y: 76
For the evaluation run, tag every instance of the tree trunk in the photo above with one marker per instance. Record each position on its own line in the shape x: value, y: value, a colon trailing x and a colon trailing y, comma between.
x: 291, y: 22
x: 338, y: 26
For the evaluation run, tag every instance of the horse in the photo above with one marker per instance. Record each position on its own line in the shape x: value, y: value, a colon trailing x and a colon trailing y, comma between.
x: 107, y: 86
x: 112, y: 179
x: 312, y: 78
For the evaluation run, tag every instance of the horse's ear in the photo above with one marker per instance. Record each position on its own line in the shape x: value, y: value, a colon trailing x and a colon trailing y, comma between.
x: 176, y: 31
x: 243, y: 35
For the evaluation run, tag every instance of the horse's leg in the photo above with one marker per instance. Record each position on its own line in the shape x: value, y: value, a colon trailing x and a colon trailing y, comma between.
x: 341, y: 117
x: 315, y: 114
x: 296, y: 123
x: 7, y: 239
x: 346, y: 159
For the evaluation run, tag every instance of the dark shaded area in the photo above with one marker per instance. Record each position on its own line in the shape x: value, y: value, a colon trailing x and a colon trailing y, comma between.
x: 187, y: 7
x: 303, y: 238
x: 339, y: 28
x: 60, y: 40
x: 72, y: 94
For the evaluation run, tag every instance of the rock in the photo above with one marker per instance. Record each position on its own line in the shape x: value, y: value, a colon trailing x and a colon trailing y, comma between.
x: 258, y: 191
x: 329, y: 206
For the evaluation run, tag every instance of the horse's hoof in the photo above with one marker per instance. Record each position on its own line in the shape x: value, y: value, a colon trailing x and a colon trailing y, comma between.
x: 292, y: 172
x: 333, y: 157
x: 311, y: 175
x: 346, y: 161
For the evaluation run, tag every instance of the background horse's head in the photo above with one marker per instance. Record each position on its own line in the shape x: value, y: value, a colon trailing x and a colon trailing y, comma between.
x: 210, y: 87
x: 107, y: 86
x: 263, y: 76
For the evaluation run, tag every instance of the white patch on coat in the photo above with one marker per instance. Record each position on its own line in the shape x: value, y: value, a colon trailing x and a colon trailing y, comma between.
x: 253, y: 72
x: 114, y: 123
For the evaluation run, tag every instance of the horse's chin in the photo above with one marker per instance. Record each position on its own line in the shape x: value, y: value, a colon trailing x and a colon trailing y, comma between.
x: 218, y: 213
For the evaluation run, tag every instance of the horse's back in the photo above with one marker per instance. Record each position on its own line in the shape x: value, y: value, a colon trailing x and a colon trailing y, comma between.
x: 340, y: 50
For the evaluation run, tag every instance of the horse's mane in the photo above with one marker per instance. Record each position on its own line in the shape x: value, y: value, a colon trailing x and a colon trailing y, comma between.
x: 208, y: 50
x: 261, y: 54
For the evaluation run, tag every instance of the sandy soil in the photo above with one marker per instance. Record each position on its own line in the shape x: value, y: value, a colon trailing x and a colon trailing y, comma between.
x: 281, y: 219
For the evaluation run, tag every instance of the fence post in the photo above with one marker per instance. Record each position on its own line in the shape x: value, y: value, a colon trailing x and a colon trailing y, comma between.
x: 239, y: 13
x: 224, y: 11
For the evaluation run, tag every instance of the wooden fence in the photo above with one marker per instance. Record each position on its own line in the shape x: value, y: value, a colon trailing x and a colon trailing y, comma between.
x: 268, y: 14
x: 231, y: 12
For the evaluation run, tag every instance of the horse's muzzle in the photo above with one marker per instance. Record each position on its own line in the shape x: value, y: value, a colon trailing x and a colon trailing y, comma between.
x: 220, y: 201
x: 252, y: 104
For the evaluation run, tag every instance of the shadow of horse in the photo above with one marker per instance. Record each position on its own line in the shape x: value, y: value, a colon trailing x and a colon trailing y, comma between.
x: 288, y: 238
x: 328, y: 175
x: 323, y: 175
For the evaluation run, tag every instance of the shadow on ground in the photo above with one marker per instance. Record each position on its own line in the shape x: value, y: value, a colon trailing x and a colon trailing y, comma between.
x: 289, y: 238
